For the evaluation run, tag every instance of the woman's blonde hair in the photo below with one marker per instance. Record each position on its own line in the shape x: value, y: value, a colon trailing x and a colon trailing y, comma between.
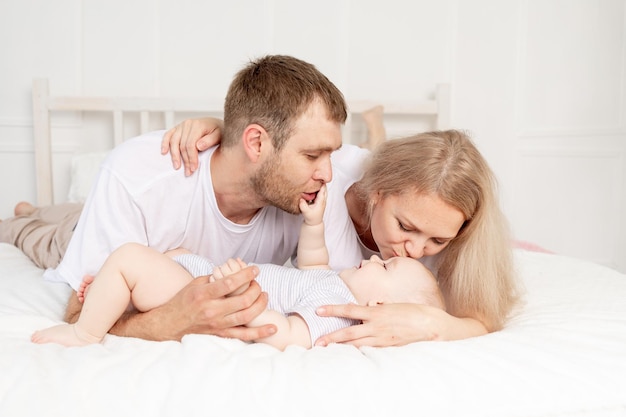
x: 475, y: 271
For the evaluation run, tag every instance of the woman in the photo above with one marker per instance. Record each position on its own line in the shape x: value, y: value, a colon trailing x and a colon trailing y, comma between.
x: 431, y: 197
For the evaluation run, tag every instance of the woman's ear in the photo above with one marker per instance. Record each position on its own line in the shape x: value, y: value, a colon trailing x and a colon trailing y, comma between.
x: 375, y: 198
x: 253, y: 140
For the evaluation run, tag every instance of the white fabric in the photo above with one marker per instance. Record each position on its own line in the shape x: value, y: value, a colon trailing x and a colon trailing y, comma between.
x: 85, y: 168
x: 342, y: 241
x: 139, y: 197
x: 563, y: 354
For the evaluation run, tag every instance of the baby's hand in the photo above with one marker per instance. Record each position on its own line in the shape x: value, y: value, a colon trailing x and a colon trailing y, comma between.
x: 230, y: 267
x: 314, y: 213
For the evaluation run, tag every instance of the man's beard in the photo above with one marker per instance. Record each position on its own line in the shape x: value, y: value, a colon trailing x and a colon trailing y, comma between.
x: 274, y: 188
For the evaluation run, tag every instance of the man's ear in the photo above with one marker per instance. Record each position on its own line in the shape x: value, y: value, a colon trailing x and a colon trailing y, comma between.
x: 254, y: 138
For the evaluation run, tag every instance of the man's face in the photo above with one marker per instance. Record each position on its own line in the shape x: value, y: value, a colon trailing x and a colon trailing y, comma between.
x: 303, y: 164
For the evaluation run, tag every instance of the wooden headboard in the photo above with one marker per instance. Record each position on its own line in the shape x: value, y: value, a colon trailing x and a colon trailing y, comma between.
x: 45, y: 104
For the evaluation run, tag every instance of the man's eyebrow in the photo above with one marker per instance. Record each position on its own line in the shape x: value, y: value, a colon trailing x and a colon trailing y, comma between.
x: 322, y: 149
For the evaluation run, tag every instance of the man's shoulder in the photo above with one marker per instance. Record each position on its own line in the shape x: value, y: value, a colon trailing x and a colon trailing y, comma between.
x: 149, y: 142
x: 137, y: 151
x: 139, y: 165
x: 144, y: 149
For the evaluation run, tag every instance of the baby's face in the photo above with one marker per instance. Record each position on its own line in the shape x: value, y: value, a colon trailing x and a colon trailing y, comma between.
x: 395, y: 280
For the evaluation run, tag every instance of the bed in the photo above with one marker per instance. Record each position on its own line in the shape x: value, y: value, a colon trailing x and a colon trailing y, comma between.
x: 563, y: 353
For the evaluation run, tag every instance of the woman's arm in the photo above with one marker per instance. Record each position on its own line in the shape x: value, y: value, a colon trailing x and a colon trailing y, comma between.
x: 188, y: 138
x: 397, y: 325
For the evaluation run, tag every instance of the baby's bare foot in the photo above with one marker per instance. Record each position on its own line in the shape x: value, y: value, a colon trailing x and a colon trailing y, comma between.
x: 84, y: 288
x: 64, y: 334
x: 23, y: 208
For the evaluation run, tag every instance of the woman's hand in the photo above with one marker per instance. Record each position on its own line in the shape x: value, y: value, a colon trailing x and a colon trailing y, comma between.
x: 397, y: 325
x: 188, y: 138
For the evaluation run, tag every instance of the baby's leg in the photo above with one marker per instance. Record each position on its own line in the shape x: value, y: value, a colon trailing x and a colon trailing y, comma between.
x: 134, y: 272
x: 65, y: 334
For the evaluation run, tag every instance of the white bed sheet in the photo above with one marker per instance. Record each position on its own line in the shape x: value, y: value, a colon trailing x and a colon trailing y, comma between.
x: 563, y: 354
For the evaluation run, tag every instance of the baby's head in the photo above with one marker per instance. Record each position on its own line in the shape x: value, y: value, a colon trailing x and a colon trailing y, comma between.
x: 395, y: 280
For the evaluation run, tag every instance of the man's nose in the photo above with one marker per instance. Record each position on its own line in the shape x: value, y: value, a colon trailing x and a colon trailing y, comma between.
x: 324, y: 171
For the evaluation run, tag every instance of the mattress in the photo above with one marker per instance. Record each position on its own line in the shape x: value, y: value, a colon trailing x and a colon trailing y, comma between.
x: 563, y: 353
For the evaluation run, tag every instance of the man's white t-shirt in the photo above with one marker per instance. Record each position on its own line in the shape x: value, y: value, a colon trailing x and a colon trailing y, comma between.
x: 139, y: 197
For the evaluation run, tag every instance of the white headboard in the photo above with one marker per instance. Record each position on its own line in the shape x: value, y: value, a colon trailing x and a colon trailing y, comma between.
x: 44, y: 104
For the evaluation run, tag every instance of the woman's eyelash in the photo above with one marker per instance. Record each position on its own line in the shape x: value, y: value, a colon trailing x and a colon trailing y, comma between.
x: 402, y: 226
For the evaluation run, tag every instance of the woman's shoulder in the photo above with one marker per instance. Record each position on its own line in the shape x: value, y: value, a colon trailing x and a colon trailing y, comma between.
x: 348, y: 160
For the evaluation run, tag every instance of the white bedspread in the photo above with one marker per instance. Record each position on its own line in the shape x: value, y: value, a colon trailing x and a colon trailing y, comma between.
x: 563, y: 354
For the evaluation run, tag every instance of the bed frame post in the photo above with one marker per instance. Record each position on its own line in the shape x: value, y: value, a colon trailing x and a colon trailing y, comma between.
x: 118, y: 127
x: 443, y: 106
x: 43, y: 151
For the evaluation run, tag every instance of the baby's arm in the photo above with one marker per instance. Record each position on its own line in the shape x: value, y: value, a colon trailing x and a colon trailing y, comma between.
x: 290, y: 330
x: 312, y: 251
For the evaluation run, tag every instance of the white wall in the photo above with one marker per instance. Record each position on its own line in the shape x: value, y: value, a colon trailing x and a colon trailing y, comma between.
x: 541, y: 84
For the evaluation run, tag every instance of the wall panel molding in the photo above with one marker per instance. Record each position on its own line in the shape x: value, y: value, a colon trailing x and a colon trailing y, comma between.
x: 571, y: 132
x: 565, y: 84
x: 571, y: 200
x: 20, y: 148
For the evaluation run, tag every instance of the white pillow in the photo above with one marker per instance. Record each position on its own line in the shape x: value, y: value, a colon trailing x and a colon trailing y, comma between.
x: 85, y: 167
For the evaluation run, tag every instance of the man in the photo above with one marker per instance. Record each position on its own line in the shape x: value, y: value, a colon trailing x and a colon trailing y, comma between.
x: 282, y: 121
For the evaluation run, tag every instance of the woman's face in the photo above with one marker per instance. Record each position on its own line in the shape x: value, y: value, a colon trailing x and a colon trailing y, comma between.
x: 413, y: 225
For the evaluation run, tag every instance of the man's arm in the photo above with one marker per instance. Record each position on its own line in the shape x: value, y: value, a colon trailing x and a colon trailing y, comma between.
x: 201, y: 307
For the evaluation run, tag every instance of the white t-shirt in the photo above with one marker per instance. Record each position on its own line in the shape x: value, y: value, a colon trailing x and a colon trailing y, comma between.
x: 139, y: 197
